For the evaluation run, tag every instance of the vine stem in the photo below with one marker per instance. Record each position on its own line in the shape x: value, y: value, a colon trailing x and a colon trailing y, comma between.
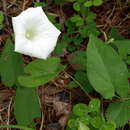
x: 16, y: 127
x: 77, y: 82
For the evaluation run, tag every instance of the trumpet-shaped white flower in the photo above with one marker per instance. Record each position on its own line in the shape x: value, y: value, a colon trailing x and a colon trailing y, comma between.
x: 35, y: 35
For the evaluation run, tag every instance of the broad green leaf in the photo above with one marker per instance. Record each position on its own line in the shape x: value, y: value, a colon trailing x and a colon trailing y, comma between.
x: 35, y: 81
x: 106, y: 71
x: 11, y: 65
x: 26, y: 106
x: 78, y: 60
x: 94, y: 105
x: 82, y: 126
x: 119, y: 112
x: 42, y: 67
x: 40, y: 72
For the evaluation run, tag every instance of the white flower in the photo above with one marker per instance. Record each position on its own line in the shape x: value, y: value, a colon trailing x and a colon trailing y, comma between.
x: 35, y: 35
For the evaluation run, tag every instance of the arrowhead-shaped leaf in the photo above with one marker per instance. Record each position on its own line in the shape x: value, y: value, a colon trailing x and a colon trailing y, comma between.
x: 11, y: 65
x: 106, y: 71
x: 26, y: 106
x: 40, y: 71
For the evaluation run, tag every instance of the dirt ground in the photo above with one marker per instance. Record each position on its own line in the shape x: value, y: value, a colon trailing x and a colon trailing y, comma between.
x: 56, y: 98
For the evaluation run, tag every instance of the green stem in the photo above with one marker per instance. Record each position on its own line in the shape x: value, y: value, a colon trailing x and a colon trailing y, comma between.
x: 16, y: 127
x: 77, y: 82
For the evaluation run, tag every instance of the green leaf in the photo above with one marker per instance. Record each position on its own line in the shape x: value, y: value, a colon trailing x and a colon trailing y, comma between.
x: 59, y: 1
x: 128, y: 60
x: 73, y: 124
x: 90, y: 17
x: 43, y: 4
x: 40, y: 72
x: 81, y: 1
x: 96, y: 121
x: 106, y: 71
x: 1, y: 17
x: 77, y: 40
x: 82, y: 126
x: 60, y: 47
x: 114, y: 33
x: 88, y: 3
x: 2, y: 26
x: 76, y: 6
x: 97, y: 2
x: 108, y: 126
x: 81, y: 77
x: 78, y: 60
x: 70, y: 30
x: 77, y: 19
x: 11, y: 65
x: 84, y: 119
x: 80, y: 110
x: 70, y: 0
x: 119, y: 112
x: 123, y: 47
x: 72, y: 84
x: 26, y: 106
x: 90, y: 28
x: 42, y: 67
x: 94, y: 105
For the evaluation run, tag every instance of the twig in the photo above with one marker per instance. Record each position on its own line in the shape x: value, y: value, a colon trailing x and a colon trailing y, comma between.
x: 78, y: 84
x: 9, y: 109
x: 11, y: 4
x: 41, y: 127
x: 16, y: 127
x: 24, y: 4
x: 5, y: 11
x: 4, y: 5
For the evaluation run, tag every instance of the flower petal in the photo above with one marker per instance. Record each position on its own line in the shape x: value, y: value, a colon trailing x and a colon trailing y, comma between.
x: 35, y: 35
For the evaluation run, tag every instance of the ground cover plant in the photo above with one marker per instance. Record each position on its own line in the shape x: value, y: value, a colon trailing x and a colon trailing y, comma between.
x: 64, y: 64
